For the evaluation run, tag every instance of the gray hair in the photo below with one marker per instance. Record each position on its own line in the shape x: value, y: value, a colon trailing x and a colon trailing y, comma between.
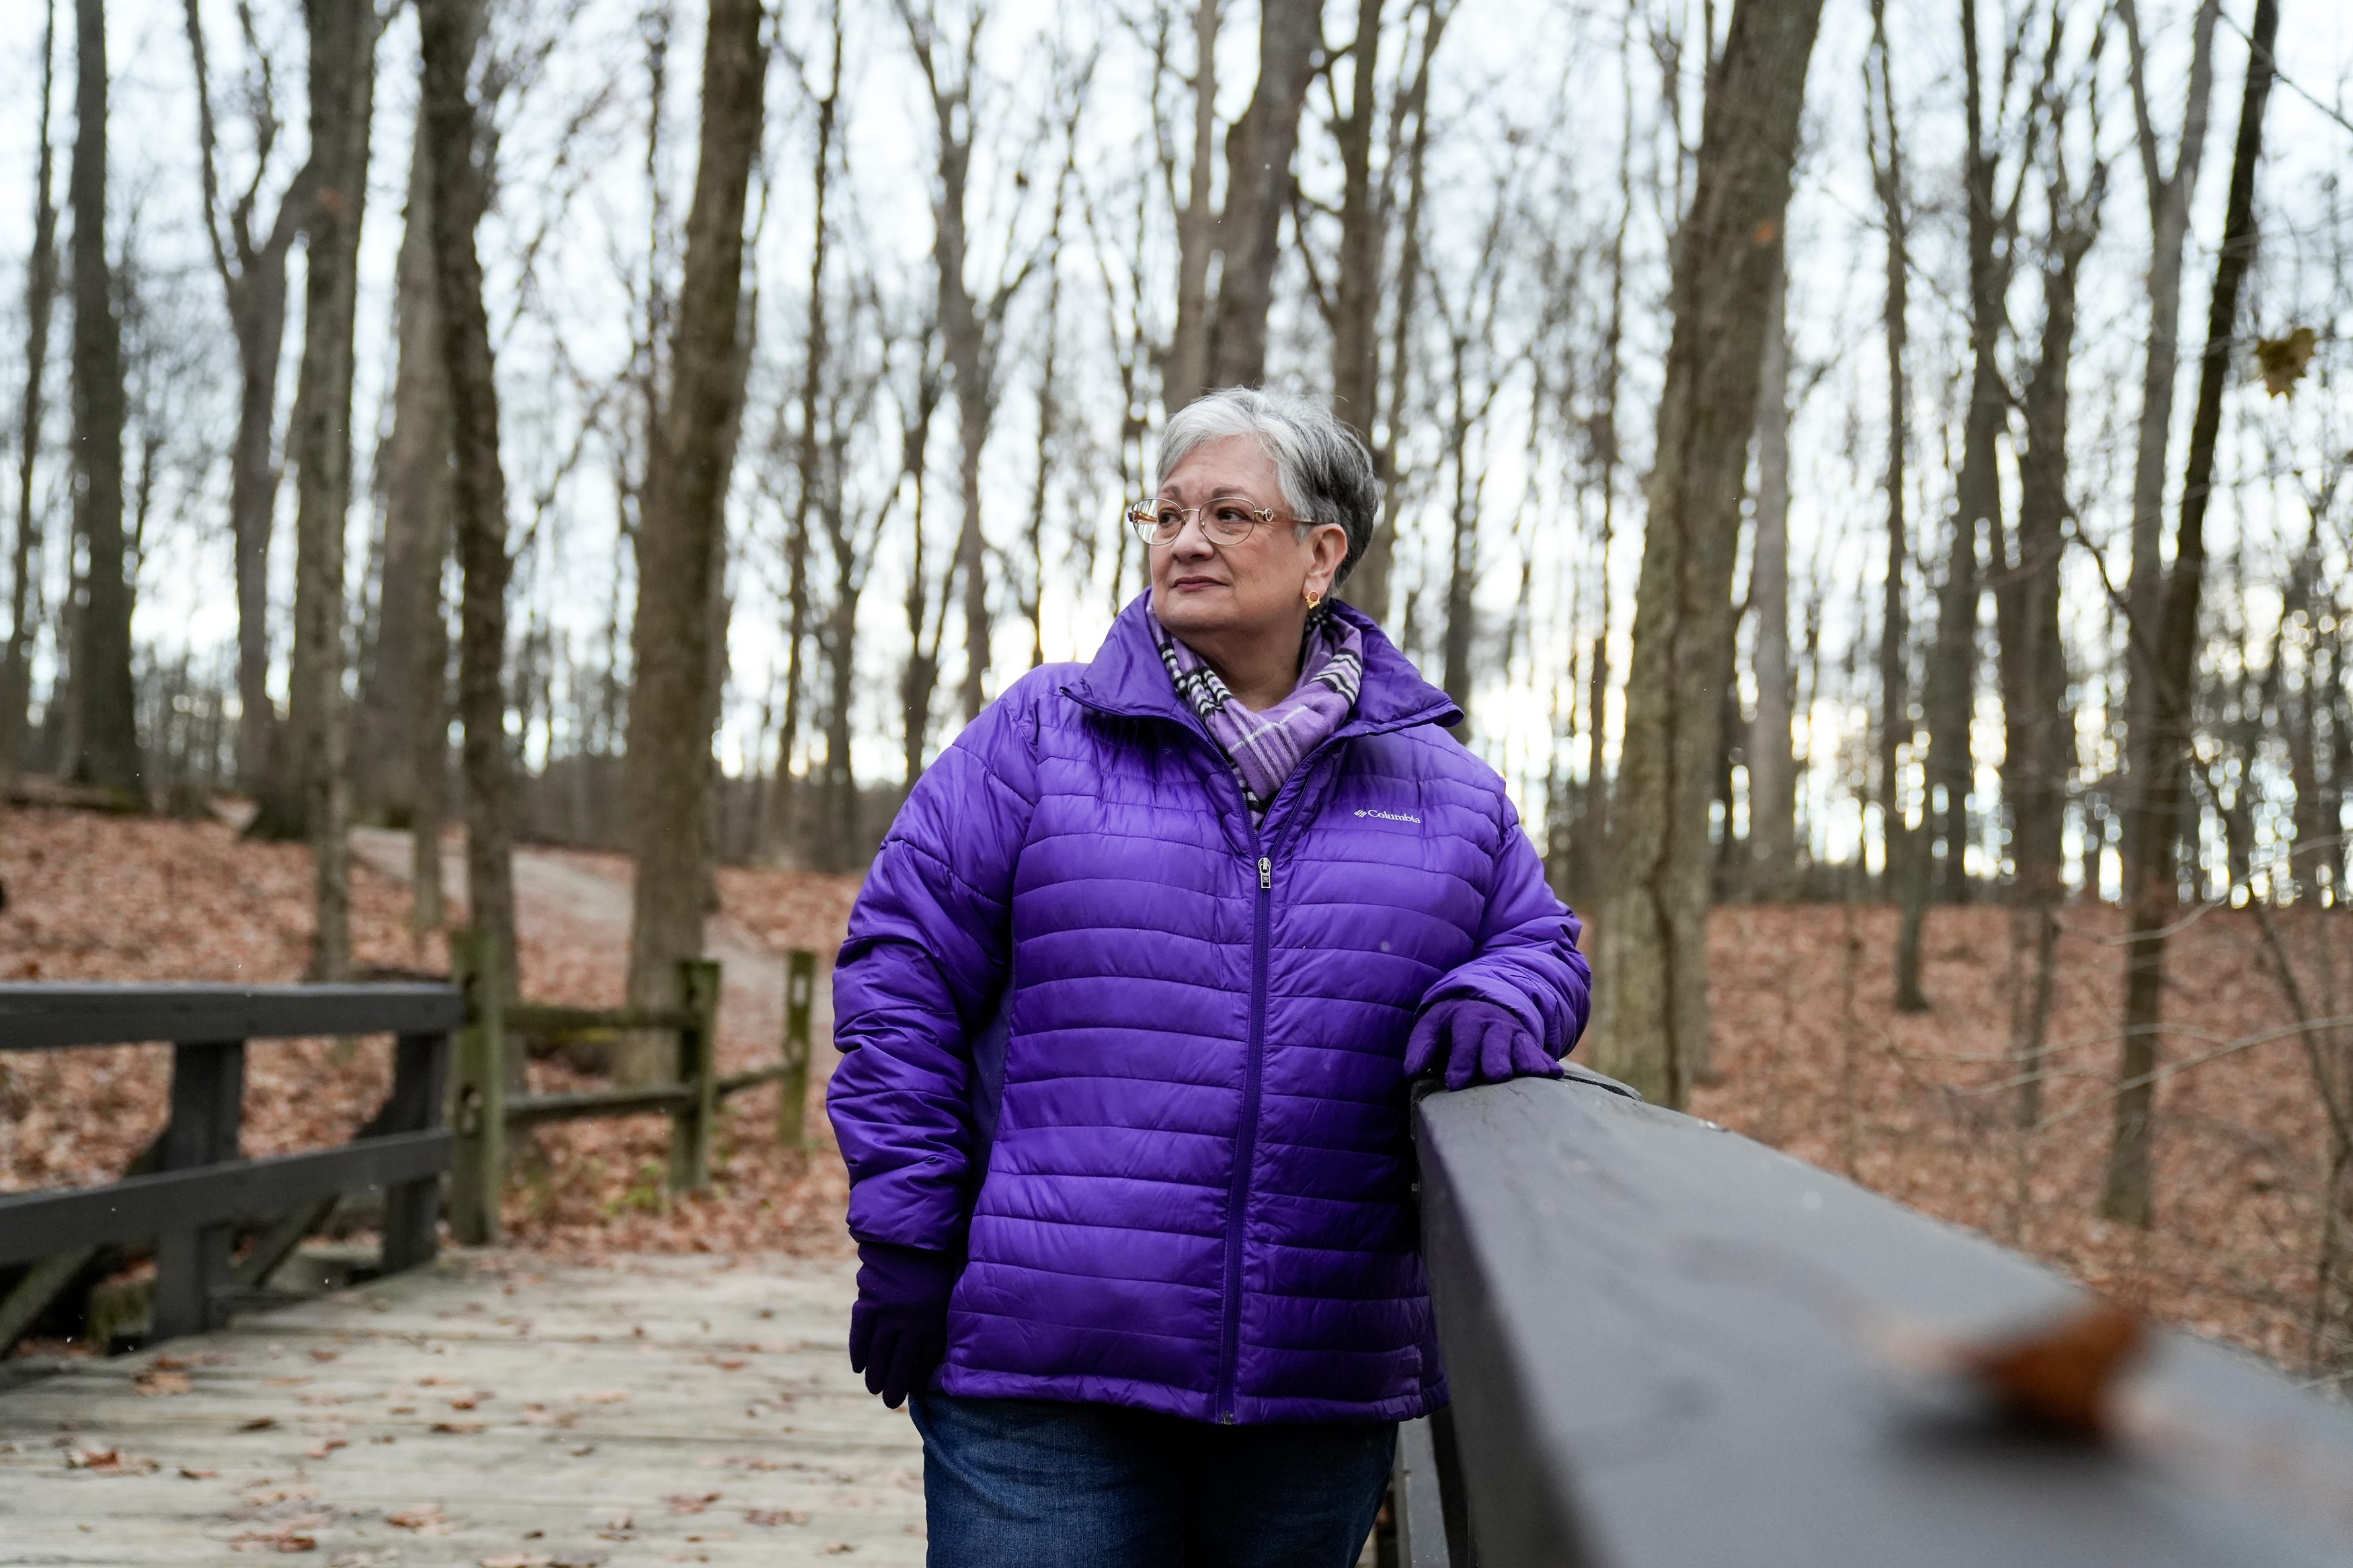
x: 1325, y: 471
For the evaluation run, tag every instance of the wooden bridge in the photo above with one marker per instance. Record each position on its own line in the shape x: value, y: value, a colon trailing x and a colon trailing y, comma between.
x: 487, y: 1409
x: 1669, y: 1347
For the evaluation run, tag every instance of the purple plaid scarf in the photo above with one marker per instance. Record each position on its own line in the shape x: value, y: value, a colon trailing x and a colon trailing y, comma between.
x: 1265, y: 747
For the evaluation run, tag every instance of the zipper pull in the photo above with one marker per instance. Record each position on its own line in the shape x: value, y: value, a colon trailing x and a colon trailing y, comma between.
x: 1265, y: 873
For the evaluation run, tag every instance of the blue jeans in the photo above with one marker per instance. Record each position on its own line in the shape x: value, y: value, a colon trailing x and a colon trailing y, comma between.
x: 1022, y: 1483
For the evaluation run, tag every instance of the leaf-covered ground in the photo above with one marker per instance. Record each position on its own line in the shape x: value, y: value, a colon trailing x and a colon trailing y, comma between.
x: 1811, y: 1057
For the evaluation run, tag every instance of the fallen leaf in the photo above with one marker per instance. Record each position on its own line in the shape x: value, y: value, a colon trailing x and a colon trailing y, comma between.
x: 280, y: 1539
x: 460, y: 1429
x: 326, y: 1355
x: 464, y: 1401
x: 110, y: 1462
x: 326, y: 1445
x: 195, y: 1474
x: 690, y: 1502
x: 775, y: 1516
x: 258, y: 1424
x: 606, y: 1396
x: 836, y: 1548
x: 154, y: 1382
x: 426, y: 1519
x: 520, y: 1559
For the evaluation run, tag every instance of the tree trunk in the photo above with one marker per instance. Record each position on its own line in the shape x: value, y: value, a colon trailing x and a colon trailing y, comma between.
x: 1653, y: 991
x: 2151, y: 873
x: 1901, y: 848
x: 447, y: 31
x: 2169, y: 196
x: 783, y: 825
x: 1257, y: 188
x: 681, y: 544
x: 253, y: 278
x: 921, y: 677
x: 1950, y: 699
x: 314, y: 790
x: 965, y: 326
x: 2039, y: 739
x: 106, y: 724
x: 401, y: 688
x: 1185, y: 370
x: 40, y: 293
x: 1772, y: 766
x: 1368, y: 584
x: 1357, y: 293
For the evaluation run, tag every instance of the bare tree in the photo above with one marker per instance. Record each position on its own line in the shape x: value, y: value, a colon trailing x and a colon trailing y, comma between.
x: 40, y: 294
x: 1258, y: 148
x: 681, y: 543
x: 404, y: 716
x: 1950, y: 695
x: 2038, y: 751
x: 926, y: 615
x: 1364, y: 244
x: 250, y: 258
x: 1185, y: 365
x: 1883, y: 140
x: 1653, y: 989
x: 969, y: 323
x: 105, y: 706
x: 1772, y: 766
x: 2151, y: 870
x: 309, y: 793
x: 2169, y: 194
x: 447, y: 31
x: 1356, y: 287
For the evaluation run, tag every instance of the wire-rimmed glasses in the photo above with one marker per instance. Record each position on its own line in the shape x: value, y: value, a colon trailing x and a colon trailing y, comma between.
x: 1229, y: 520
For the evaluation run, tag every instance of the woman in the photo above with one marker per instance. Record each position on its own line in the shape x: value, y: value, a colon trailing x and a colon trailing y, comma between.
x: 1129, y: 1005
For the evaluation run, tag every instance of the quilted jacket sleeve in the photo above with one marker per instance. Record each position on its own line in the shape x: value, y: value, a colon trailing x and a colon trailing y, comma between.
x: 926, y: 955
x: 1527, y: 961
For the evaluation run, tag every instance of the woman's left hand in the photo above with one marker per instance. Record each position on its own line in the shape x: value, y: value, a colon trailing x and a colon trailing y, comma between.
x: 1480, y: 1043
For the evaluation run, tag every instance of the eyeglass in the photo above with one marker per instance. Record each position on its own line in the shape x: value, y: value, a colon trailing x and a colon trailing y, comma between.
x: 1226, y: 521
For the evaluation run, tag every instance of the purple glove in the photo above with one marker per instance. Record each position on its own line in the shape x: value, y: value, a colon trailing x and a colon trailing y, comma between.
x: 899, y: 1328
x: 1481, y: 1044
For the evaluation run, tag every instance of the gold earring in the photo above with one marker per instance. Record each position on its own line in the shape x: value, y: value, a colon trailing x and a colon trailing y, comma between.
x: 1312, y: 598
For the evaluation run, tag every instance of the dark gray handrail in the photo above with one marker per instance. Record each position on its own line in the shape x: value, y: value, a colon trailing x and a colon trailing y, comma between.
x: 48, y: 1017
x: 1666, y: 1349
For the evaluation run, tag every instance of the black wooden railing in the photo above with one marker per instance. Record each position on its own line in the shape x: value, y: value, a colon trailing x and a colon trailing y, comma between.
x: 1672, y: 1347
x: 190, y: 1190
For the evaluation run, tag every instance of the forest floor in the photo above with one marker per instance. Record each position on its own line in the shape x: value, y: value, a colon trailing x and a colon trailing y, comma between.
x: 1811, y: 1057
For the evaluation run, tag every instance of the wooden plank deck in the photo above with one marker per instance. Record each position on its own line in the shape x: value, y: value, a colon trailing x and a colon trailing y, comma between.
x: 493, y: 1409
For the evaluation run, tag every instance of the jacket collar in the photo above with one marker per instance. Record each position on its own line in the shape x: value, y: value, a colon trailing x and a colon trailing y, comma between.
x: 1128, y: 678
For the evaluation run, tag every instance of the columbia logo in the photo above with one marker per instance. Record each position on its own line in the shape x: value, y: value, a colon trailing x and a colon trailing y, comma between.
x: 1389, y: 815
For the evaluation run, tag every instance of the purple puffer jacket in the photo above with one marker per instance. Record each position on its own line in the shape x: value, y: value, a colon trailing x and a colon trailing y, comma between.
x: 1174, y: 1044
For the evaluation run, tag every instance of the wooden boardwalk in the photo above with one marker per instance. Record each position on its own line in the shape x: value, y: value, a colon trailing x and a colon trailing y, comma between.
x: 494, y: 1409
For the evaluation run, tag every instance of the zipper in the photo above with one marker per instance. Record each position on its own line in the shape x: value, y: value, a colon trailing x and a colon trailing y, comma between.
x: 1245, y: 1140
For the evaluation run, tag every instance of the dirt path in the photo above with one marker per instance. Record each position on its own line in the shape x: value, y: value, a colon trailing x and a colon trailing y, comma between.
x: 556, y: 891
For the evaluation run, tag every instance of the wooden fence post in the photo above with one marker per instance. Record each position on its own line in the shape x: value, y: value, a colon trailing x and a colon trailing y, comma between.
x: 412, y: 1210
x: 792, y: 1091
x: 192, y: 1266
x: 697, y: 1060
x: 478, y: 1092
